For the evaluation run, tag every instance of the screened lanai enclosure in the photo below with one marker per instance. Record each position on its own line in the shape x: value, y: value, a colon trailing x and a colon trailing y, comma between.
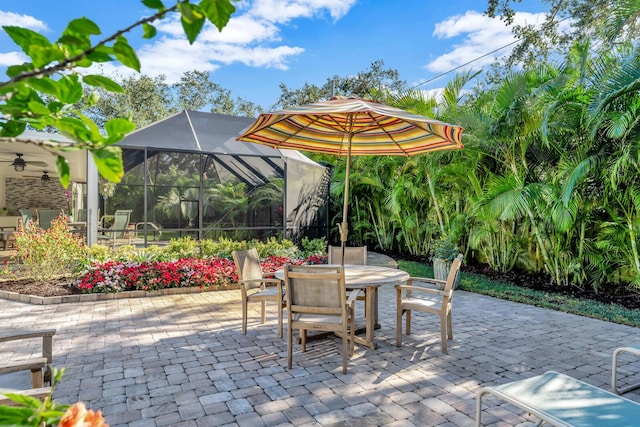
x: 187, y: 176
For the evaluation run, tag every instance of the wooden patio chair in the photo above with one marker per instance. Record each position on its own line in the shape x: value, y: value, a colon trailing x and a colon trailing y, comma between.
x: 427, y: 300
x: 253, y: 286
x: 316, y: 300
x: 352, y: 255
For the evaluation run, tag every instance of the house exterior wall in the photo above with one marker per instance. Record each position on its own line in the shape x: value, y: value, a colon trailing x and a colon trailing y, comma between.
x: 32, y: 194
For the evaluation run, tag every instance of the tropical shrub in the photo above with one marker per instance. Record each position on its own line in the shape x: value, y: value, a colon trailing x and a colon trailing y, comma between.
x: 45, y: 254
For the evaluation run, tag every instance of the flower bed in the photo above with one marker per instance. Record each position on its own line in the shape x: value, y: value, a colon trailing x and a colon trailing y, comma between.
x: 117, y: 276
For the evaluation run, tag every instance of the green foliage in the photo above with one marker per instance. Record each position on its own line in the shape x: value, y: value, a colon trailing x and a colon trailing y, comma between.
x: 310, y: 247
x: 443, y: 248
x: 46, y: 254
x: 183, y: 247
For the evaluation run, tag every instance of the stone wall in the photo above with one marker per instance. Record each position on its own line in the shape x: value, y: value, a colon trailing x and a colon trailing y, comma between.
x: 32, y: 194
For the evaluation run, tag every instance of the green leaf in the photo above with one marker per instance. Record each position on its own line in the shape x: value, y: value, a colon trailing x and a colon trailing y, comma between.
x: 38, y: 108
x: 101, y: 54
x: 26, y: 401
x: 14, y: 70
x: 190, y: 12
x: 12, y: 128
x: 218, y: 12
x: 192, y: 29
x: 103, y: 82
x: 93, y: 99
x: 73, y: 128
x: 44, y: 85
x: 14, y: 415
x: 125, y: 53
x: 83, y: 26
x: 154, y: 4
x: 118, y: 129
x: 42, y: 56
x: 63, y: 170
x: 108, y: 160
x: 192, y: 20
x: 26, y: 39
x: 73, y: 40
x: 70, y: 89
x: 149, y: 31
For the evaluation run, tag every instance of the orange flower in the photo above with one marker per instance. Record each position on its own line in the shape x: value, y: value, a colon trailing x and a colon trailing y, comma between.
x: 78, y: 416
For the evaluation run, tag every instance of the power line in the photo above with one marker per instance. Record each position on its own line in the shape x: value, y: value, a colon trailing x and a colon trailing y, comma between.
x: 482, y: 56
x: 465, y: 64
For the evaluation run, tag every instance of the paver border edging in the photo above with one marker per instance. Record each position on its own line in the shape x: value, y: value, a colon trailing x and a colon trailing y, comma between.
x: 32, y: 299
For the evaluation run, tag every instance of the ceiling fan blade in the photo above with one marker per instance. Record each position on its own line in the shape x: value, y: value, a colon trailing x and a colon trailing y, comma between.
x: 37, y: 163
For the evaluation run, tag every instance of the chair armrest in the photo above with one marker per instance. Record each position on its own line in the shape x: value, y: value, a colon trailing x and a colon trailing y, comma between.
x: 429, y: 280
x: 399, y: 288
x: 266, y: 280
x: 353, y: 295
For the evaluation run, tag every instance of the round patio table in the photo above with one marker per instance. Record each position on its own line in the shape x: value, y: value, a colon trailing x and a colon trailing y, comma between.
x: 368, y: 278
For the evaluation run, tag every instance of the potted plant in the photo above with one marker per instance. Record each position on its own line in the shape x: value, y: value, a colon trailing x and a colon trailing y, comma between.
x: 443, y: 251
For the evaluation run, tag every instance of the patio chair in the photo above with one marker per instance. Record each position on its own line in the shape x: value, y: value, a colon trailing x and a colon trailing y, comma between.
x: 27, y: 219
x: 317, y: 301
x: 119, y: 231
x: 352, y: 255
x: 81, y: 215
x: 46, y: 216
x: 427, y: 300
x: 253, y: 286
x: 355, y: 255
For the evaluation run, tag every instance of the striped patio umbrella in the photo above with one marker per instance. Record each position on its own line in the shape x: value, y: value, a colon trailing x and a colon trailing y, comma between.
x: 352, y: 127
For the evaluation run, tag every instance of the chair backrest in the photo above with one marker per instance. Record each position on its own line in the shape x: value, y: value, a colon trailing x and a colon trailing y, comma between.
x: 315, y: 289
x: 248, y: 266
x: 27, y: 219
x: 45, y: 216
x: 81, y: 216
x: 121, y: 220
x: 352, y: 255
x: 451, y: 278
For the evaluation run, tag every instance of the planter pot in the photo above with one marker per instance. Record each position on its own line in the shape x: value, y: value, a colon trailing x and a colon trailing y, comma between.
x: 441, y: 269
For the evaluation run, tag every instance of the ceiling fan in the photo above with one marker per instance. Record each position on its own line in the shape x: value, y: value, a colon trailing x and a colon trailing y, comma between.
x: 19, y: 163
x: 45, y: 178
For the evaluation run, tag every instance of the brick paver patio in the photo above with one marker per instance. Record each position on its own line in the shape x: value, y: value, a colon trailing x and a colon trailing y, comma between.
x: 181, y: 361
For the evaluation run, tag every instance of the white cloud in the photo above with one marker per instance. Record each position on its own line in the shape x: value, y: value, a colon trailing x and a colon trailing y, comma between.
x: 25, y: 21
x: 283, y: 11
x: 12, y: 58
x: 481, y: 36
x: 252, y: 37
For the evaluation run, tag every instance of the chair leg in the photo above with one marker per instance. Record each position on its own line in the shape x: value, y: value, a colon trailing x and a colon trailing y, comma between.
x: 352, y: 335
x: 449, y: 327
x: 280, y: 320
x: 443, y: 332
x: 303, y: 339
x: 264, y: 308
x: 289, y: 345
x: 399, y: 326
x: 244, y: 317
x: 408, y: 321
x: 344, y: 348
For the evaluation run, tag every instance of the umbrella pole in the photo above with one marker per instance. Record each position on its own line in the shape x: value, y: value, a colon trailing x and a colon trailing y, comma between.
x: 344, y: 227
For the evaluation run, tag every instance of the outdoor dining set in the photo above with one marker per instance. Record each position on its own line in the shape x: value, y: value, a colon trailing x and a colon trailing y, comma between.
x: 323, y: 297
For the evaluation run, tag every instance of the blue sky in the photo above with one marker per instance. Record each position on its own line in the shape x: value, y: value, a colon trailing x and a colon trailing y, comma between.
x: 269, y: 42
